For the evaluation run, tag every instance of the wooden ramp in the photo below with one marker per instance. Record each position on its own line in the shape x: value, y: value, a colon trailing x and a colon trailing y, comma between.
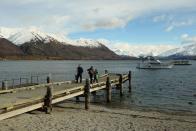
x: 20, y: 100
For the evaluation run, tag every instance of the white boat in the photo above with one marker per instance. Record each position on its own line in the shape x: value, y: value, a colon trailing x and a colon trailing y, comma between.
x: 151, y: 63
x: 181, y: 62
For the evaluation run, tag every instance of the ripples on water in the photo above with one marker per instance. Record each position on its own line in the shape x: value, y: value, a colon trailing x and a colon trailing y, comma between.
x: 166, y: 89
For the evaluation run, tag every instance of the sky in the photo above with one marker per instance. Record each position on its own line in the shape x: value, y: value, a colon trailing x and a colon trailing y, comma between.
x: 128, y: 22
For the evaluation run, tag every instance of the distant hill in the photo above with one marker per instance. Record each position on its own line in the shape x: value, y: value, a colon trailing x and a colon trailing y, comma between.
x: 7, y: 48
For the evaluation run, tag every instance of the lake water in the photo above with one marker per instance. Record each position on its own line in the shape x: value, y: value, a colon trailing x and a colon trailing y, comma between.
x: 171, y: 89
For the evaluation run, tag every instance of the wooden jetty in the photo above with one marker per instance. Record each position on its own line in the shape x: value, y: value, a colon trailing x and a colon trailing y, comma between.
x: 20, y: 100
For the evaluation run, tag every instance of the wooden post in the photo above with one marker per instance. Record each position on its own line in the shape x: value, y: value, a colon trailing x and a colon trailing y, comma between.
x: 129, y: 77
x: 27, y: 80
x: 48, y: 79
x: 4, y: 85
x: 20, y: 81
x: 12, y: 83
x: 87, y: 94
x: 48, y: 100
x: 94, y: 93
x: 37, y: 79
x: 48, y: 97
x: 121, y: 84
x: 108, y: 90
x: 77, y: 98
x: 31, y: 79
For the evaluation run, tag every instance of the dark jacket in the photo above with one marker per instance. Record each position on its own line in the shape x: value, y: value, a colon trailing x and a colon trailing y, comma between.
x: 79, y: 70
x: 90, y: 71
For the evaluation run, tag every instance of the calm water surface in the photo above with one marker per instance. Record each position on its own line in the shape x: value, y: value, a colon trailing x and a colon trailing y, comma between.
x: 165, y: 89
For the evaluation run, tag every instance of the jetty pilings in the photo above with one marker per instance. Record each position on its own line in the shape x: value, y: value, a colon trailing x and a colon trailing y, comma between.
x: 129, y: 79
x: 46, y: 94
x: 121, y: 85
x: 108, y: 90
x: 87, y: 94
x: 4, y: 85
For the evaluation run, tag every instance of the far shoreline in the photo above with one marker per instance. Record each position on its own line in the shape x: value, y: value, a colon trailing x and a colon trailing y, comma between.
x: 43, y: 58
x: 51, y: 58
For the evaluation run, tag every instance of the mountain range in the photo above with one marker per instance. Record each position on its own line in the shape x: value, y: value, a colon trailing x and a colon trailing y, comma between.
x: 28, y: 44
x: 175, y: 52
x: 185, y: 51
x: 34, y: 44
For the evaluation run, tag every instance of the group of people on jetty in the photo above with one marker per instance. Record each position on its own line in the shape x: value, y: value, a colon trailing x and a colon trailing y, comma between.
x: 93, y: 74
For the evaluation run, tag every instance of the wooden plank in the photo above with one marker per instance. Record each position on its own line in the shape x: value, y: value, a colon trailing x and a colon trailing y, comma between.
x: 40, y: 85
x: 97, y: 88
x: 33, y: 87
x: 20, y: 111
x: 36, y: 106
x: 67, y: 97
x: 67, y: 93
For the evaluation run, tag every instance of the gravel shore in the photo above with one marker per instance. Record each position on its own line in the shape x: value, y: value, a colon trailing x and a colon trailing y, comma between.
x: 72, y: 117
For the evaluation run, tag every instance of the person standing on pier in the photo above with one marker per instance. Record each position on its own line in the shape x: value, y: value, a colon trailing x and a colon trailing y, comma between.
x: 96, y: 75
x: 91, y: 73
x: 79, y: 73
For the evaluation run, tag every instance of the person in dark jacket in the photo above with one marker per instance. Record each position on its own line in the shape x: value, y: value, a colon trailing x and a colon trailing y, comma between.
x: 79, y: 73
x: 96, y: 75
x: 91, y: 73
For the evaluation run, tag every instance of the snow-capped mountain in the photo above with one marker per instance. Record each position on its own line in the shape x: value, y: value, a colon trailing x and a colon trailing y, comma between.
x: 21, y: 35
x: 122, y: 52
x: 141, y: 50
x: 6, y: 32
x: 87, y: 42
x: 35, y: 44
x: 185, y: 50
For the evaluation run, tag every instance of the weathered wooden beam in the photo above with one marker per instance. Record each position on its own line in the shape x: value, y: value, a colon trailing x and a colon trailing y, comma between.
x: 4, y: 85
x: 19, y: 108
x: 77, y: 98
x: 48, y: 97
x: 121, y: 85
x: 129, y: 78
x: 87, y: 94
x: 42, y: 85
x: 48, y: 79
x: 35, y: 106
x: 20, y: 111
x: 70, y: 90
x: 48, y: 100
x: 94, y: 93
x: 108, y: 90
x: 33, y: 87
x: 56, y: 100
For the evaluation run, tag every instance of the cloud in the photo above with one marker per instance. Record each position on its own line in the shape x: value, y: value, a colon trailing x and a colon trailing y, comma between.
x: 177, y: 24
x: 187, y: 39
x: 85, y: 15
x: 160, y: 18
x: 175, y: 21
x: 105, y: 24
